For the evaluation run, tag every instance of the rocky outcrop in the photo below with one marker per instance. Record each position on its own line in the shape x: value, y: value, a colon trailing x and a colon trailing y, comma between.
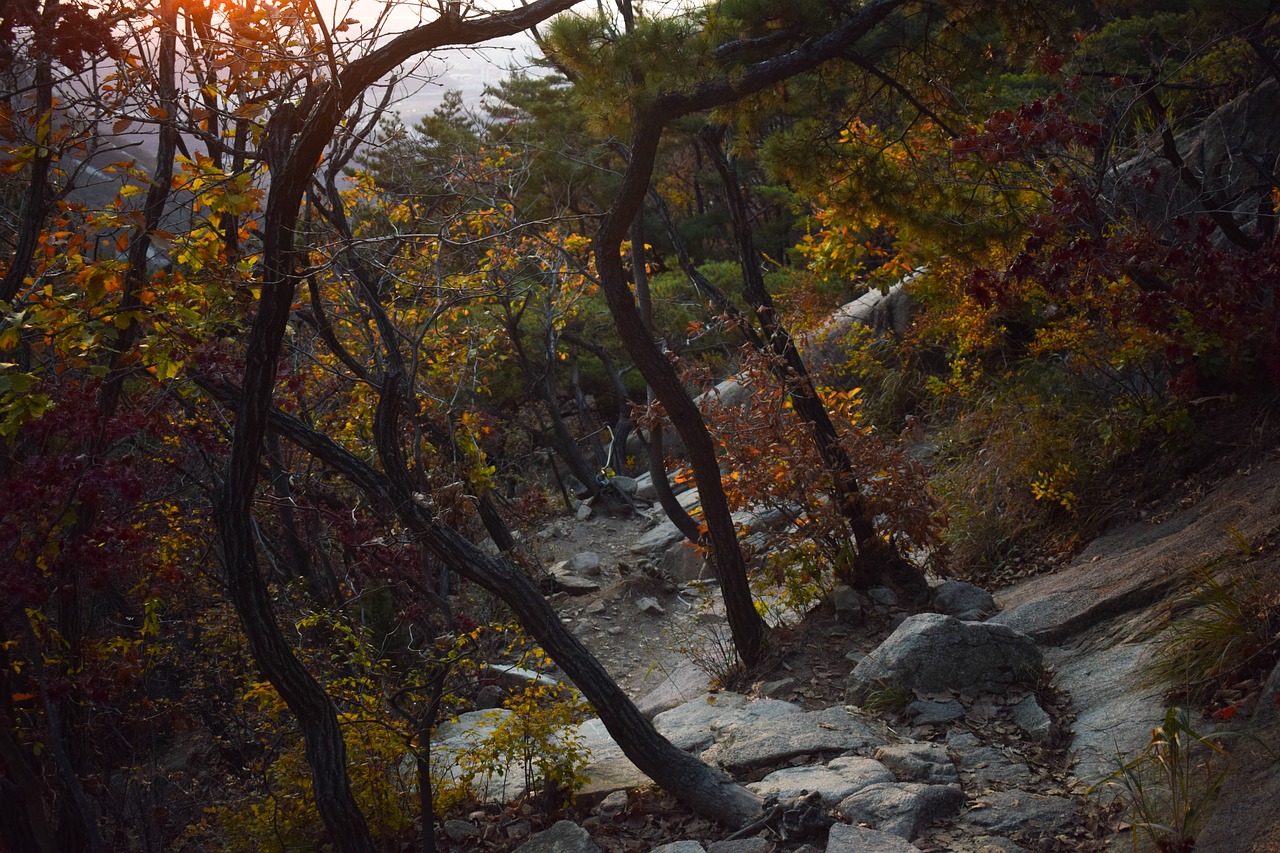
x: 1234, y: 156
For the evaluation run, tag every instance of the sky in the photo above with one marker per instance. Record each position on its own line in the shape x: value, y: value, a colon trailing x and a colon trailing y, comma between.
x: 468, y: 71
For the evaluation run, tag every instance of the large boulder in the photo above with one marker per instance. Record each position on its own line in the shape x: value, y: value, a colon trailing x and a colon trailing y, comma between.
x: 887, y: 311
x: 902, y: 809
x: 1234, y: 155
x: 933, y: 653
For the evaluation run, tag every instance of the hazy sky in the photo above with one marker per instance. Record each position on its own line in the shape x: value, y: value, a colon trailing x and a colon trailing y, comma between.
x: 467, y: 70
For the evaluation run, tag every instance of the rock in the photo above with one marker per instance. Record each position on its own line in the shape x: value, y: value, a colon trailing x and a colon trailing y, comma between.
x: 955, y: 598
x: 730, y: 393
x: 801, y: 733
x: 459, y: 830
x: 573, y: 584
x: 924, y: 713
x: 849, y: 604
x: 1013, y: 812
x: 585, y: 563
x: 612, y: 804
x: 563, y: 837
x: 776, y: 688
x: 649, y: 604
x: 1113, y: 718
x: 694, y: 725
x: 518, y: 678
x: 1032, y: 719
x: 680, y: 847
x: 883, y: 596
x: 608, y: 770
x: 658, y: 539
x: 1230, y: 154
x: 596, y: 607
x: 742, y: 845
x: 683, y: 562
x: 1138, y: 565
x: 989, y: 767
x: 933, y: 653
x: 919, y: 762
x: 686, y: 681
x: 490, y: 696
x: 627, y: 485
x: 832, y: 782
x: 886, y: 312
x: 645, y: 490
x: 463, y: 732
x: 583, y: 511
x: 1245, y: 817
x: 901, y: 809
x: 844, y: 838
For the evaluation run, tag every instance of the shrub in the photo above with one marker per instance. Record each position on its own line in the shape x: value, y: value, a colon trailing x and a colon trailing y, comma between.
x: 1223, y: 631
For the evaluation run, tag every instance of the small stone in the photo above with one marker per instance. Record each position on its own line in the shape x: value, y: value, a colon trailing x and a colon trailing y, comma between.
x: 849, y: 605
x: 596, y: 607
x: 883, y: 596
x: 649, y: 604
x: 776, y: 688
x: 830, y: 783
x: 1032, y: 719
x: 612, y: 804
x: 457, y: 830
x: 1015, y: 812
x: 960, y: 599
x: 627, y: 485
x: 490, y: 696
x: 575, y: 585
x: 583, y: 512
x: 902, y: 809
x: 614, y: 630
x: 585, y: 563
x: 935, y: 653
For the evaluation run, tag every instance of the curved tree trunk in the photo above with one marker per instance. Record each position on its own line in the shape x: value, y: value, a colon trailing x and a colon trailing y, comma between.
x: 391, y: 494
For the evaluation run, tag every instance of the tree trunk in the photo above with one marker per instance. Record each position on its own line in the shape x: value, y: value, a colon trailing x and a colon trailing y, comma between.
x: 684, y: 776
x: 878, y: 562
